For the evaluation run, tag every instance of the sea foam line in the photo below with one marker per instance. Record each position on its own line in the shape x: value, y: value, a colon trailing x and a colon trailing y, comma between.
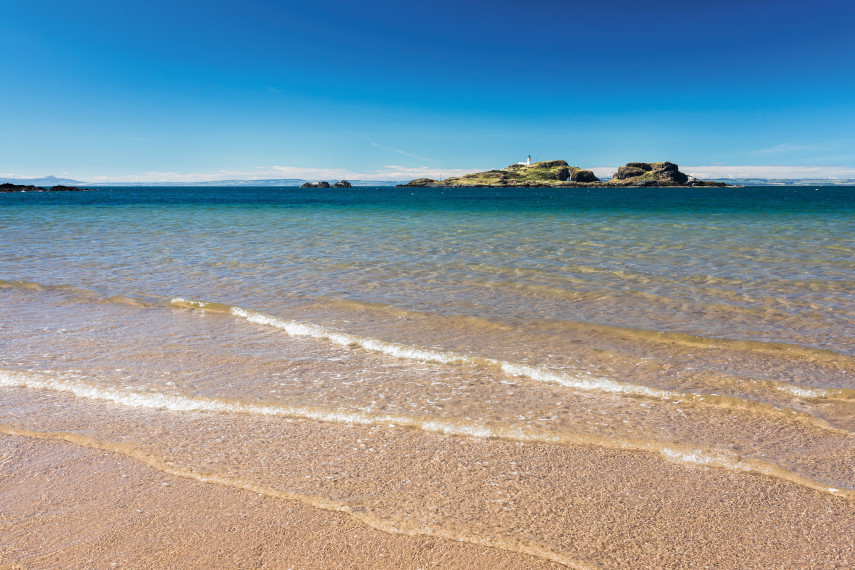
x: 585, y: 382
x: 467, y: 428
x: 182, y: 403
x: 295, y: 328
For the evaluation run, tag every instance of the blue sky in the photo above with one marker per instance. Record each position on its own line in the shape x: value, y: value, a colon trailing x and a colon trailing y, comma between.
x: 206, y: 90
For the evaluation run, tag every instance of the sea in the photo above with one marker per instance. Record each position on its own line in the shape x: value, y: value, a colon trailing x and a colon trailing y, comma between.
x: 285, y: 340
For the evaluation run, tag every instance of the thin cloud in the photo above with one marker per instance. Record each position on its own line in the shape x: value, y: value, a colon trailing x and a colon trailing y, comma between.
x: 17, y: 175
x: 789, y: 147
x: 390, y: 173
x: 602, y: 172
x: 766, y: 171
x: 402, y: 152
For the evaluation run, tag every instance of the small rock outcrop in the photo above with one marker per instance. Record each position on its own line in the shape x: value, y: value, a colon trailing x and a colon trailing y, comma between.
x: 9, y: 187
x: 655, y: 174
x: 315, y: 185
x: 583, y: 176
x: 422, y: 183
x: 342, y: 184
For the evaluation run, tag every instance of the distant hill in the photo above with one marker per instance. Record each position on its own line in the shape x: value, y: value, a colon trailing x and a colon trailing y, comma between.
x: 788, y: 181
x: 277, y: 182
x: 46, y: 181
x: 273, y: 182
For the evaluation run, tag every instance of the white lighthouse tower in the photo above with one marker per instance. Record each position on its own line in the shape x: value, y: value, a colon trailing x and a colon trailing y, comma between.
x: 528, y: 161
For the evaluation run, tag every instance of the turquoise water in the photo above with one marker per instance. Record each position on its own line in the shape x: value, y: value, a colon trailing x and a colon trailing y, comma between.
x: 772, y: 264
x: 707, y: 327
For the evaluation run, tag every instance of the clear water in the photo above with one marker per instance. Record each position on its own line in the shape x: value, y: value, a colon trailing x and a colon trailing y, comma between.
x: 704, y: 326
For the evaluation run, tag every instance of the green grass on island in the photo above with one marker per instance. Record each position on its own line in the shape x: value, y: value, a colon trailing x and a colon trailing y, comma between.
x: 558, y: 173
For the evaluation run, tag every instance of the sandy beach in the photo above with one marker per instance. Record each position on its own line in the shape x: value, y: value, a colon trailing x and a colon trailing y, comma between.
x: 64, y: 505
x: 80, y: 500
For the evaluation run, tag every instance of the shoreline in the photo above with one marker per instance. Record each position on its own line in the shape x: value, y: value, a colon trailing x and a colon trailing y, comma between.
x: 406, y: 494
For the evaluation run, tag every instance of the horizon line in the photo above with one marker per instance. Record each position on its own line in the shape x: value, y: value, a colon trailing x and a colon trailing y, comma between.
x: 393, y: 174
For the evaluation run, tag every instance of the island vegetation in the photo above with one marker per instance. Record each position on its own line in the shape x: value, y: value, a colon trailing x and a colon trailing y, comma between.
x: 557, y: 173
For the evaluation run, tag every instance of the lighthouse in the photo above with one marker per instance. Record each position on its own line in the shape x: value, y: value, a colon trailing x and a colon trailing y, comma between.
x: 528, y: 161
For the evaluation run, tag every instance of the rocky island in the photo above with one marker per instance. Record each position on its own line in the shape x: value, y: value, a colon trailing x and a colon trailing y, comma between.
x: 9, y: 187
x: 324, y: 184
x: 559, y: 174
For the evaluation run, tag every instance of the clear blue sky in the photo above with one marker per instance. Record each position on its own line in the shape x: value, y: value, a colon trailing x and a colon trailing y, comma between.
x: 211, y: 89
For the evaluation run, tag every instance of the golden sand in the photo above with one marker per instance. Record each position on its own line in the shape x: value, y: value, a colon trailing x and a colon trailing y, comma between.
x: 64, y: 504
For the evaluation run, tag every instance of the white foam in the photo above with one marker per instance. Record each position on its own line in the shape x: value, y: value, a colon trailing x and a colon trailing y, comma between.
x: 182, y: 403
x: 469, y: 428
x: 732, y: 462
x: 295, y: 328
x: 586, y: 383
x: 803, y: 391
x: 579, y: 382
x: 190, y: 302
x: 707, y: 458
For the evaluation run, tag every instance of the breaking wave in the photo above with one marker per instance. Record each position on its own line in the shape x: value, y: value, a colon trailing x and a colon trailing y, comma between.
x: 722, y: 459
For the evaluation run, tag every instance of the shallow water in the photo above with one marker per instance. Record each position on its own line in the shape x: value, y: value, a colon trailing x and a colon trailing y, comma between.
x: 703, y: 326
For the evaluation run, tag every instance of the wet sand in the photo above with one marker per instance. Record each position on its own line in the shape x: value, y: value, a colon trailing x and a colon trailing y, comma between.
x: 63, y: 505
x: 84, y: 504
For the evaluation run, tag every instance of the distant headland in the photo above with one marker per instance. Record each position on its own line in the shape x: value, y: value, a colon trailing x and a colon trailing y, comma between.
x: 559, y: 174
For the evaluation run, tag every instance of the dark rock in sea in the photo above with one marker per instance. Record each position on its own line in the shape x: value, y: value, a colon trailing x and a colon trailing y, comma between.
x: 323, y: 185
x: 652, y: 174
x: 629, y: 171
x: 315, y: 185
x: 342, y: 184
x: 642, y: 165
x: 583, y: 176
x: 421, y: 183
x: 61, y: 188
x: 9, y: 187
x: 307, y: 185
x: 669, y: 171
